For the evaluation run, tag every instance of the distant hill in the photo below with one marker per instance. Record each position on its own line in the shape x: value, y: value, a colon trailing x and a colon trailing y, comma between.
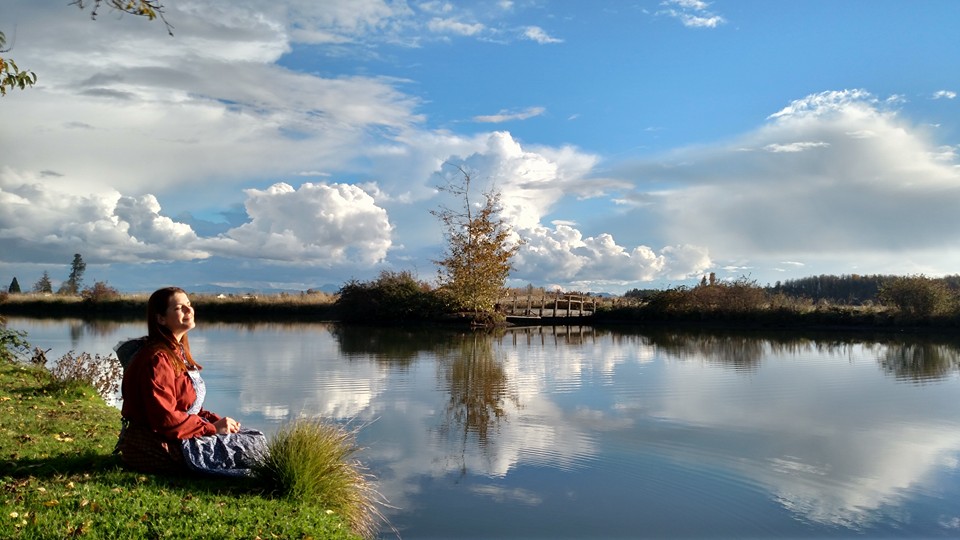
x: 208, y: 288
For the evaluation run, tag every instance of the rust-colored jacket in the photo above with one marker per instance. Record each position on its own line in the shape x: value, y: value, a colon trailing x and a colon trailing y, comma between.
x: 157, y: 397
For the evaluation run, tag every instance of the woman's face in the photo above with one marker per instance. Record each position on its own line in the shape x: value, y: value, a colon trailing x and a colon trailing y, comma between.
x: 179, y: 315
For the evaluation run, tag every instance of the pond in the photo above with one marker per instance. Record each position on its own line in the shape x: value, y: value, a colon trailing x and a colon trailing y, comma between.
x: 575, y: 432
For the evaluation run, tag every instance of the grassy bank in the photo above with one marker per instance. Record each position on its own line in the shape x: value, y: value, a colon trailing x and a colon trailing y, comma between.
x: 59, y: 478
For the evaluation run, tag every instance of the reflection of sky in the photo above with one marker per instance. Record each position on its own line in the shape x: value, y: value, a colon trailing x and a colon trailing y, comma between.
x: 617, y: 434
x: 830, y: 438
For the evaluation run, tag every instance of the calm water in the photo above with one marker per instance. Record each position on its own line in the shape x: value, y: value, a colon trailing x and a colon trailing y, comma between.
x: 581, y: 433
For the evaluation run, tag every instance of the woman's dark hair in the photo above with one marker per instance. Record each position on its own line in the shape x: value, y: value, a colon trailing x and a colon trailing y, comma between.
x: 160, y: 336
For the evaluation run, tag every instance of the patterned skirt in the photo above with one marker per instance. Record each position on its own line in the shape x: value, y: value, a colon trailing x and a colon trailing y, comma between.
x: 231, y: 454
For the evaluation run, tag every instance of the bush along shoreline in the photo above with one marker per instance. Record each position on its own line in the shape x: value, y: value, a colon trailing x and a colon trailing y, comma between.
x: 906, y: 303
x: 60, y: 478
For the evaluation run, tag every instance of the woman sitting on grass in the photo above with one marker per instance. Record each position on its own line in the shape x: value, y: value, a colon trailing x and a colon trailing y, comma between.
x: 165, y: 427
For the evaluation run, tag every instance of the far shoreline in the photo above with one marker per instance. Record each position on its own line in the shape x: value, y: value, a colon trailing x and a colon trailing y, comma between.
x: 322, y: 308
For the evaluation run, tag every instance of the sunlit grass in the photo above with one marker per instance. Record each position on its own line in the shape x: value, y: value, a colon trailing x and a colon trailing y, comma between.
x: 313, y: 461
x: 59, y: 479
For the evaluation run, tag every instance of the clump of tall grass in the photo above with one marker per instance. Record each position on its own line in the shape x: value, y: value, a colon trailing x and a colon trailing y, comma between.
x: 313, y: 461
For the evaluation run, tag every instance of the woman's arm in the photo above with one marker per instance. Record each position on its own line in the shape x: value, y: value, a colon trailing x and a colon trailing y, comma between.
x: 209, y: 416
x: 161, y: 391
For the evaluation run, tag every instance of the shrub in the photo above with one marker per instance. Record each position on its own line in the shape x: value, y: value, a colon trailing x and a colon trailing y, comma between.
x: 100, y: 292
x: 72, y: 371
x: 743, y: 296
x: 392, y: 297
x: 313, y: 462
x: 918, y: 296
x: 668, y: 301
x: 740, y: 297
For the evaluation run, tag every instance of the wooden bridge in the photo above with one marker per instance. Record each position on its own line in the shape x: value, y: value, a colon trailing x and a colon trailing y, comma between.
x: 545, y: 307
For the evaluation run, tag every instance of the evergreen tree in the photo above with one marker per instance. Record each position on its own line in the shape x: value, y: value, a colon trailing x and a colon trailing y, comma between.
x: 72, y: 284
x: 14, y: 286
x: 43, y: 284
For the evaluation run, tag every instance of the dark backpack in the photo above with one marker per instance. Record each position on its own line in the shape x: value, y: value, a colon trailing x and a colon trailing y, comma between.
x: 126, y: 350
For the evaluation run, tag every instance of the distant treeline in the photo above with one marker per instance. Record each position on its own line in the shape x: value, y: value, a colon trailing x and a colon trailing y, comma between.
x: 853, y: 289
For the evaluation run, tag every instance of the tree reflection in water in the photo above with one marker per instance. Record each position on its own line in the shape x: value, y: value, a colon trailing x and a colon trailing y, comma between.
x: 94, y: 327
x: 738, y: 351
x: 392, y: 345
x: 911, y: 358
x: 919, y: 361
x: 479, y: 390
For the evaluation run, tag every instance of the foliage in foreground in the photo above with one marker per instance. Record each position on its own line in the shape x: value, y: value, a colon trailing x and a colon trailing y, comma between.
x: 313, y: 461
x: 13, y: 343
x: 11, y: 76
x: 78, y: 371
x: 59, y: 479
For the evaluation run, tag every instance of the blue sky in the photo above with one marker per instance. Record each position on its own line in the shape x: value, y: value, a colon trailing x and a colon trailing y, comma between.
x: 298, y: 144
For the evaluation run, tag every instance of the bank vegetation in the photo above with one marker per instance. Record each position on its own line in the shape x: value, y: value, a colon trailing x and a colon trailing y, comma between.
x: 882, y: 302
x: 894, y: 302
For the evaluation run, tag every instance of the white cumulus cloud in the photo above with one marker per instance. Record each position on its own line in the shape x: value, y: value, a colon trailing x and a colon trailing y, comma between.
x: 854, y: 201
x: 317, y: 224
x: 43, y: 224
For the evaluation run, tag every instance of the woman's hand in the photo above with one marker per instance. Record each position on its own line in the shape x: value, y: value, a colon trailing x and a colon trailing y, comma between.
x: 227, y: 425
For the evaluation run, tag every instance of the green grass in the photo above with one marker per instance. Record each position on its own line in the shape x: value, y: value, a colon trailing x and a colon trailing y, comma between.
x: 314, y: 461
x: 59, y: 479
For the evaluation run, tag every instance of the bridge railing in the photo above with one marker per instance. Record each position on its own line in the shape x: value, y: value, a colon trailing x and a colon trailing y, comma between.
x: 543, y: 305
